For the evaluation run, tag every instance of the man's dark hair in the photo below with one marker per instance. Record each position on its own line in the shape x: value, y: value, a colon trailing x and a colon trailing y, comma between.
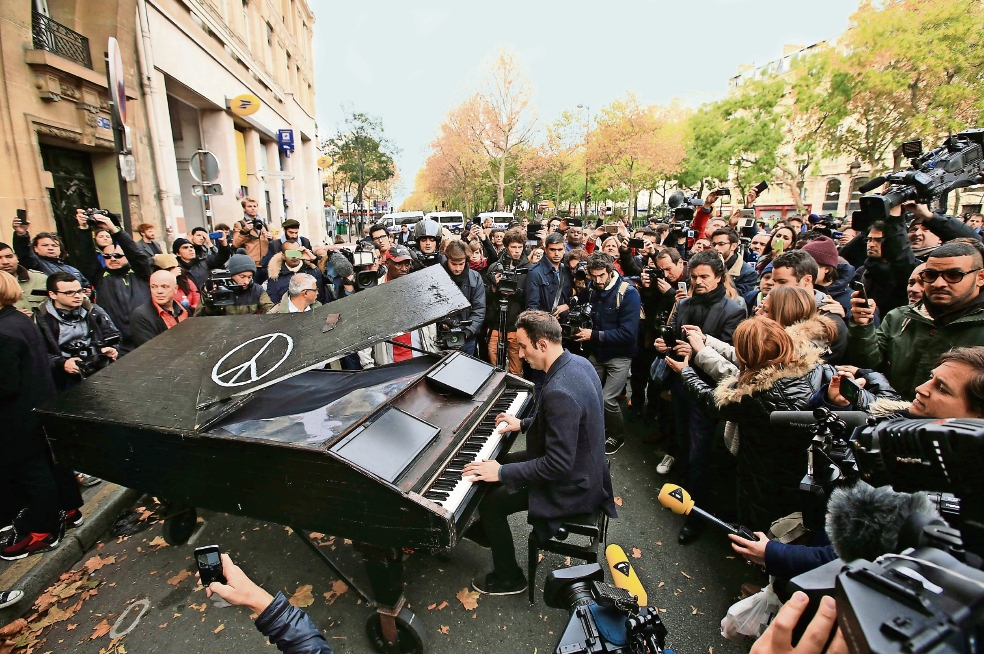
x: 672, y: 253
x: 539, y: 325
x: 4, y: 246
x: 948, y: 250
x: 377, y: 228
x: 55, y: 278
x: 600, y: 260
x: 222, y: 226
x: 726, y: 231
x: 802, y: 263
x: 878, y: 226
x: 199, y: 229
x: 455, y: 250
x: 553, y: 238
x: 645, y: 231
x: 709, y: 258
x: 973, y: 357
x: 53, y: 236
x: 497, y: 230
x: 514, y: 236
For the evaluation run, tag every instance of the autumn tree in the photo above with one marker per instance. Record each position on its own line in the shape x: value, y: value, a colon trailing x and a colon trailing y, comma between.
x: 362, y: 153
x: 556, y: 160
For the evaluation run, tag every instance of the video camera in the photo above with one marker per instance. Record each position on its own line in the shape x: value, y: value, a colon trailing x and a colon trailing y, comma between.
x: 451, y: 333
x: 363, y: 258
x: 508, y: 284
x: 91, y: 213
x: 603, y: 618
x: 682, y: 208
x: 219, y: 289
x: 955, y: 164
x: 579, y: 316
x: 89, y: 353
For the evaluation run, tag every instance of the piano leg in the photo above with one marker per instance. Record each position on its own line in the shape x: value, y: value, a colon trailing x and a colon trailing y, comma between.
x: 393, y: 629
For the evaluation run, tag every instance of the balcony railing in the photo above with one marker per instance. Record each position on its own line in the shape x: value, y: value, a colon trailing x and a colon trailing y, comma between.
x: 54, y: 37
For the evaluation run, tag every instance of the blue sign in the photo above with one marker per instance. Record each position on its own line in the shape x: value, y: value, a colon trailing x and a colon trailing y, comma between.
x: 286, y: 139
x: 103, y: 123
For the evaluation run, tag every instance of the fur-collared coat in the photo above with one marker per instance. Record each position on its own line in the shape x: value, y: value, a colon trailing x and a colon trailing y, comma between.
x: 279, y: 276
x: 771, y: 461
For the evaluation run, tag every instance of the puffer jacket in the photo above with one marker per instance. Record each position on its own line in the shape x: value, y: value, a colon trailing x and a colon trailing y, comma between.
x: 771, y: 461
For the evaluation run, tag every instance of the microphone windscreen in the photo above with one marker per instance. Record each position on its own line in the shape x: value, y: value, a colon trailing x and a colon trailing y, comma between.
x: 343, y: 266
x: 623, y: 575
x: 675, y: 499
x: 863, y: 522
x: 872, y: 184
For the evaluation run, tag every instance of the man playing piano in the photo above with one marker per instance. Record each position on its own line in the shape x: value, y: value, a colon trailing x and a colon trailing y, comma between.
x: 563, y: 471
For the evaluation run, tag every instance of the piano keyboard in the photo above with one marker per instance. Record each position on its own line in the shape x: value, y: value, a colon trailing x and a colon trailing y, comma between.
x: 449, y: 489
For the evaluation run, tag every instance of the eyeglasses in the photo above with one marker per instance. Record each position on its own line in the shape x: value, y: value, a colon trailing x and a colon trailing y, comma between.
x: 928, y: 276
x: 722, y: 244
x: 114, y: 256
x: 310, y: 290
x: 379, y: 238
x: 70, y: 293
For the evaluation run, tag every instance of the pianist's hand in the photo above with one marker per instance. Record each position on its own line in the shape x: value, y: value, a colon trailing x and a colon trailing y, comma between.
x: 239, y: 589
x: 512, y: 422
x: 484, y: 470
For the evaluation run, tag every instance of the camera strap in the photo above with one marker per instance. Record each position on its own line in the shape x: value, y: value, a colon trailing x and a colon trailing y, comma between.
x: 560, y: 290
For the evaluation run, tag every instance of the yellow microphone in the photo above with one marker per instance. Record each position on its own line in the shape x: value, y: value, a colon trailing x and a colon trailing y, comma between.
x: 623, y: 575
x: 676, y: 499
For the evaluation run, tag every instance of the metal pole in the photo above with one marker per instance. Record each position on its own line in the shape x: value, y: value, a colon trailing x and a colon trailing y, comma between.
x: 118, y: 143
x: 205, y: 196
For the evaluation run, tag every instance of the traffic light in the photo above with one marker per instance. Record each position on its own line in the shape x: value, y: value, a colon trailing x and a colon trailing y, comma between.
x: 519, y: 190
x: 587, y: 196
x: 536, y: 189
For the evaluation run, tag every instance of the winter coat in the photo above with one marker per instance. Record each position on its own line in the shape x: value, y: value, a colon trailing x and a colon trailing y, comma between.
x: 25, y: 382
x: 542, y: 286
x: 743, y: 275
x: 281, y: 307
x: 49, y: 266
x: 252, y: 301
x: 200, y: 268
x: 279, y: 276
x: 31, y: 280
x: 517, y: 301
x: 255, y: 244
x: 150, y: 249
x: 99, y: 326
x: 615, y: 316
x: 721, y: 320
x: 146, y: 323
x: 473, y: 288
x: 840, y: 290
x: 291, y: 629
x: 907, y: 344
x: 771, y: 460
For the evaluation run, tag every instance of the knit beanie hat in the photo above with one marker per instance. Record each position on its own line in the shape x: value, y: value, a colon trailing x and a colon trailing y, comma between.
x: 239, y: 263
x: 823, y: 250
x: 178, y: 242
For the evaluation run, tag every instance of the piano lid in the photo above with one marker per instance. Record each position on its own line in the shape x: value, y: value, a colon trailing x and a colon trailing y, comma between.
x: 193, y: 374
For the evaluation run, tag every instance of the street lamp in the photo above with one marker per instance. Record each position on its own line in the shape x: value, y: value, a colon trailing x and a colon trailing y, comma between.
x: 587, y: 130
x: 855, y: 167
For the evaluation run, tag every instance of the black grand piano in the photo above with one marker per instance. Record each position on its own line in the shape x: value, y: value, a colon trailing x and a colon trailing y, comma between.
x: 238, y: 415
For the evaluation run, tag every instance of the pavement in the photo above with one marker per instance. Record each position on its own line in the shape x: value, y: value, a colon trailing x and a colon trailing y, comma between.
x: 166, y: 610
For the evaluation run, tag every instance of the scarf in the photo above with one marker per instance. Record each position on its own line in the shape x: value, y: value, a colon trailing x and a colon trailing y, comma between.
x: 478, y: 265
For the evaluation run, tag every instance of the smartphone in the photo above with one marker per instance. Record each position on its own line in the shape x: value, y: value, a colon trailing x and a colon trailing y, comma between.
x: 722, y: 192
x: 859, y: 287
x: 760, y: 189
x: 682, y: 286
x: 215, y: 236
x: 599, y: 222
x: 669, y: 337
x: 637, y: 243
x: 209, y: 564
x: 611, y: 229
x: 778, y: 245
x: 850, y: 390
x: 22, y: 217
x: 531, y: 231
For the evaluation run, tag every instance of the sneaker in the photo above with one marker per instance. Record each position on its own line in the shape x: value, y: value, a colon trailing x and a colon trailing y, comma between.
x: 31, y: 544
x: 490, y: 584
x: 74, y: 519
x: 634, y: 413
x: 87, y: 480
x: 8, y: 536
x: 665, y: 465
x: 10, y: 597
x: 613, y: 444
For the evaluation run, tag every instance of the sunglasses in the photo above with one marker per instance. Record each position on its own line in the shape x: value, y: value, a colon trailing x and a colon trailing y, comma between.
x: 114, y: 256
x: 929, y: 275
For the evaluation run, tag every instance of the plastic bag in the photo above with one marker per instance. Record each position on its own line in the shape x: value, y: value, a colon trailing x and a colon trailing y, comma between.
x: 751, y: 616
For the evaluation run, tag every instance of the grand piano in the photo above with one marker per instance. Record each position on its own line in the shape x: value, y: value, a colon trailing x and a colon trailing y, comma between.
x: 239, y: 415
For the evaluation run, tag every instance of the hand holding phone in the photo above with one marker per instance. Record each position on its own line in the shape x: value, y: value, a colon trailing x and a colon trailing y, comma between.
x: 22, y: 217
x: 209, y: 562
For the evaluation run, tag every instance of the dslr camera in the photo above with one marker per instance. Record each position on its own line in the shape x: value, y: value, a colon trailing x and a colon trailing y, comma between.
x: 451, y: 333
x: 579, y: 316
x: 91, y: 212
x: 91, y: 358
x: 603, y: 618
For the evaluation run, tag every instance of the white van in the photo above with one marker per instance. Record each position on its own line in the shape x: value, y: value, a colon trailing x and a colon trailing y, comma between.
x: 453, y: 221
x: 500, y: 219
x: 394, y: 220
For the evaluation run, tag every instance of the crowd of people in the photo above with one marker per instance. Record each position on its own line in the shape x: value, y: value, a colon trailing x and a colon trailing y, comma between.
x: 699, y: 329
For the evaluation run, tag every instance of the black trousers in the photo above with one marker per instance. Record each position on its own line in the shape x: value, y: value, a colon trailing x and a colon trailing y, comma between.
x: 30, y: 485
x: 496, y: 507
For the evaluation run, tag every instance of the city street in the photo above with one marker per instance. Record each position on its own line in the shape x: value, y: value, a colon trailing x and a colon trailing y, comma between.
x: 693, y: 585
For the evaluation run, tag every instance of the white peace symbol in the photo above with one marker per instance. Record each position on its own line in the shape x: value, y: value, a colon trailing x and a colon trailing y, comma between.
x: 234, y: 374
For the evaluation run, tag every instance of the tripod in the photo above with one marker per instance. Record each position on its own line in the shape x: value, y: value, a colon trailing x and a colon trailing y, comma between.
x: 500, y: 350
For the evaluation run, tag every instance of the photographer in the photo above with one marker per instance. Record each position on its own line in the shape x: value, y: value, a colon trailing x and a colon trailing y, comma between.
x: 248, y: 297
x: 123, y: 286
x: 43, y: 253
x: 889, y: 261
x: 251, y: 232
x: 512, y: 267
x: 287, y: 627
x: 728, y: 245
x: 612, y: 340
x: 472, y: 287
x: 292, y: 260
x: 198, y: 265
x: 67, y: 326
x: 911, y: 337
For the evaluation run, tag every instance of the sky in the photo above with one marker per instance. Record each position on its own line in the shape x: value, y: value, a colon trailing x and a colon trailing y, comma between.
x: 407, y: 62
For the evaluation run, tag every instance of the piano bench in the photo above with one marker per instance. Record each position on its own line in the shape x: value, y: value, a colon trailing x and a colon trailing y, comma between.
x: 594, y: 525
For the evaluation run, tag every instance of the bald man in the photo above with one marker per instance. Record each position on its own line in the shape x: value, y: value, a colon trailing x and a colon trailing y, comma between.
x: 161, y: 313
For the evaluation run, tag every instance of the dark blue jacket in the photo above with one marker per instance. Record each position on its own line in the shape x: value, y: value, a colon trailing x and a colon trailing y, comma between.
x: 743, y: 275
x: 616, y: 321
x: 787, y: 561
x: 291, y: 629
x: 567, y: 473
x: 840, y: 290
x: 542, y: 282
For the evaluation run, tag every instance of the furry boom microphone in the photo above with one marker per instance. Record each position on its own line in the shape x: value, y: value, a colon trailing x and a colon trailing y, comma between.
x: 863, y: 522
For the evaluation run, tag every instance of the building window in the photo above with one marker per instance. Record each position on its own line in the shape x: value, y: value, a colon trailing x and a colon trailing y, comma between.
x: 831, y: 198
x: 856, y: 184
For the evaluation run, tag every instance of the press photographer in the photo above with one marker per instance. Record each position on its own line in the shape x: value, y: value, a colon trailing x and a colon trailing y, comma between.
x: 469, y: 321
x: 251, y: 232
x: 44, y: 252
x: 232, y: 292
x: 507, y: 299
x: 612, y: 341
x: 196, y: 263
x: 80, y: 341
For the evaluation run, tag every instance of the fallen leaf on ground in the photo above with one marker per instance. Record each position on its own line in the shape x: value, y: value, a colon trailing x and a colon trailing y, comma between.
x: 101, y: 630
x: 468, y: 599
x: 146, y: 514
x: 636, y: 553
x: 431, y: 607
x: 659, y: 542
x: 442, y: 606
x: 13, y: 628
x: 539, y: 557
x: 162, y: 626
x: 288, y: 530
x: 158, y: 543
x: 710, y: 650
x: 661, y: 584
x: 316, y: 535
x: 219, y: 628
x: 685, y: 575
x: 302, y: 597
x: 444, y: 629
x: 178, y: 578
x: 618, y: 500
x: 567, y: 561
x: 338, y: 588
x: 71, y: 627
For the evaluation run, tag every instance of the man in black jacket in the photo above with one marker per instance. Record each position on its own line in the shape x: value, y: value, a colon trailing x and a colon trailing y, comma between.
x: 512, y: 296
x: 122, y: 287
x: 160, y: 313
x: 563, y: 471
x: 711, y: 310
x: 472, y: 287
